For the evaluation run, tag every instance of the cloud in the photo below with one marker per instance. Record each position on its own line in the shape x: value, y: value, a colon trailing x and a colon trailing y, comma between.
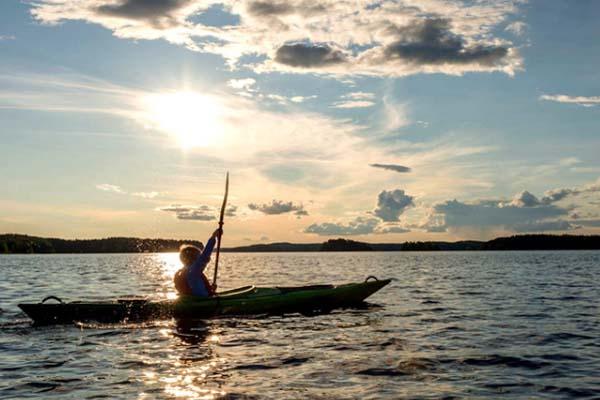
x: 301, y: 99
x: 391, y: 167
x: 275, y: 8
x: 491, y: 213
x: 159, y: 13
x: 277, y: 207
x: 245, y: 84
x: 391, y: 204
x: 284, y: 100
x: 302, y: 36
x: 525, y: 199
x: 584, y: 101
x: 518, y: 27
x: 7, y: 37
x: 353, y: 104
x: 569, y: 161
x: 359, y: 96
x: 431, y: 42
x: 194, y: 213
x: 146, y: 195
x: 394, y: 115
x: 559, y: 194
x: 545, y: 226
x: 231, y: 211
x: 107, y: 187
x: 357, y: 226
x: 525, y: 212
x: 593, y: 223
x: 387, y: 228
x: 307, y: 55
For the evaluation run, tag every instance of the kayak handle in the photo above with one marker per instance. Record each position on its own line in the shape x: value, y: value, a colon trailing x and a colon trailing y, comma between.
x: 52, y: 298
x: 371, y: 277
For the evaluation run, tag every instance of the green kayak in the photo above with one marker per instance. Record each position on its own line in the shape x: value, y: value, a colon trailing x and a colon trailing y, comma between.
x: 248, y: 300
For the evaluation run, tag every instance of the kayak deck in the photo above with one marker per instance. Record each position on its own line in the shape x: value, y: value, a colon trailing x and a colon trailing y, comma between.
x: 248, y: 300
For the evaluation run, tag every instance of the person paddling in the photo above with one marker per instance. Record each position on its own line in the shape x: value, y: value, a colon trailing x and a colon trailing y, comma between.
x: 190, y: 280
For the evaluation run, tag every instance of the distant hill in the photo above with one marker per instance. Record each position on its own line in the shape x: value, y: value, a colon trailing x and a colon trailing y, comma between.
x: 544, y: 242
x: 13, y: 243
x: 274, y: 247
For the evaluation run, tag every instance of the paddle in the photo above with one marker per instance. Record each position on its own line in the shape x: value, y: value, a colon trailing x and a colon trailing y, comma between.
x: 221, y: 227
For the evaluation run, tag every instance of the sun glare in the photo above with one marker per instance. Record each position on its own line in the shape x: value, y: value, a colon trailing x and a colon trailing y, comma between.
x: 191, y: 118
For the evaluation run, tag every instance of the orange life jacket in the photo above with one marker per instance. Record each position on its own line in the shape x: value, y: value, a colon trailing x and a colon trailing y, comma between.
x: 181, y: 284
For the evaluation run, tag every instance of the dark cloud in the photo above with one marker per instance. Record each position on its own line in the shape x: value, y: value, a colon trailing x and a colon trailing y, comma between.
x: 545, y: 226
x: 390, y: 204
x: 231, y: 211
x: 195, y: 213
x: 358, y: 226
x: 158, y: 12
x: 592, y: 223
x: 269, y: 8
x: 523, y: 214
x: 431, y: 42
x: 392, y: 167
x: 277, y: 8
x: 307, y: 55
x: 277, y: 207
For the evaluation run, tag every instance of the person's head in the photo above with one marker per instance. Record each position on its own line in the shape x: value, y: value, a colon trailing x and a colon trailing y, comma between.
x: 188, y: 254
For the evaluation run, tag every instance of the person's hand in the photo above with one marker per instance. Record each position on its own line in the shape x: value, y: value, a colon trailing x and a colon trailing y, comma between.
x: 217, y: 233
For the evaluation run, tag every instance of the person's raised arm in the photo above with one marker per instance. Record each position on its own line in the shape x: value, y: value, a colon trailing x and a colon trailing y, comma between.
x: 202, y: 260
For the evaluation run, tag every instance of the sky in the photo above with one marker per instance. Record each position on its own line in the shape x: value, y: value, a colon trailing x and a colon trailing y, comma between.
x: 379, y: 121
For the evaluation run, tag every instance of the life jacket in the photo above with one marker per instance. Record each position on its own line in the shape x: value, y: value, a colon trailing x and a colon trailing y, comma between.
x: 181, y: 283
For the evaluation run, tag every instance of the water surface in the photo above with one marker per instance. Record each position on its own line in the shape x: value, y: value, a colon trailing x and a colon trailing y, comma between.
x: 515, y: 325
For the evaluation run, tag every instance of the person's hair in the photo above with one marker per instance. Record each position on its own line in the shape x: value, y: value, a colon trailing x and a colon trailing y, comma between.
x: 188, y: 253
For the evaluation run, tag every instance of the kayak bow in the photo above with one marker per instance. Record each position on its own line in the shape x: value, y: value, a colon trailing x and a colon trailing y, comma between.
x: 248, y: 300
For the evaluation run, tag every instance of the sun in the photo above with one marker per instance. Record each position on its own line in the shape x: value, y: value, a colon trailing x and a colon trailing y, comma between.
x: 191, y: 118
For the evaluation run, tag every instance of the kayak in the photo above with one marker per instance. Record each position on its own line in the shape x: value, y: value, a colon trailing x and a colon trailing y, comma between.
x: 247, y: 300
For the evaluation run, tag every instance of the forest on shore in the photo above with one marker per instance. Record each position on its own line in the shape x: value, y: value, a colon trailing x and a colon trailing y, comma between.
x: 24, y: 244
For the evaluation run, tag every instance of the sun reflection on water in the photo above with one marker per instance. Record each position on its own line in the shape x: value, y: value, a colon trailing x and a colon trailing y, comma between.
x: 169, y: 263
x: 189, y: 365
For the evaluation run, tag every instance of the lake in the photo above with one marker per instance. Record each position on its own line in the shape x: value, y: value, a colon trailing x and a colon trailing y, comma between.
x: 516, y: 325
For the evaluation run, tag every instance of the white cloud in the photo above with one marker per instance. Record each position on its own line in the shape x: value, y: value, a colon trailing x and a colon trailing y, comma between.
x: 353, y: 104
x: 584, y: 101
x: 393, y: 38
x: 569, y: 161
x: 359, y: 96
x: 7, y: 37
x: 301, y: 99
x: 146, y: 195
x: 518, y: 27
x: 395, y: 116
x: 245, y: 84
x: 107, y: 187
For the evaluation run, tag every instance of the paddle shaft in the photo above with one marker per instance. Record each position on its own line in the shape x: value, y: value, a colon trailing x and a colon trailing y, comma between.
x: 221, y: 227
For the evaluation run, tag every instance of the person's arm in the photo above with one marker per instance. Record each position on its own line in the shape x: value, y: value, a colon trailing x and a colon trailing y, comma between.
x: 200, y: 264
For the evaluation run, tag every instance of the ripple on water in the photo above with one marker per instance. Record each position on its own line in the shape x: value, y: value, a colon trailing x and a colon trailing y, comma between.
x: 453, y: 325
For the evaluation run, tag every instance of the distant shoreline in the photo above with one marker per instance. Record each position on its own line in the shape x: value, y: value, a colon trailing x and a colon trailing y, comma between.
x: 25, y: 244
